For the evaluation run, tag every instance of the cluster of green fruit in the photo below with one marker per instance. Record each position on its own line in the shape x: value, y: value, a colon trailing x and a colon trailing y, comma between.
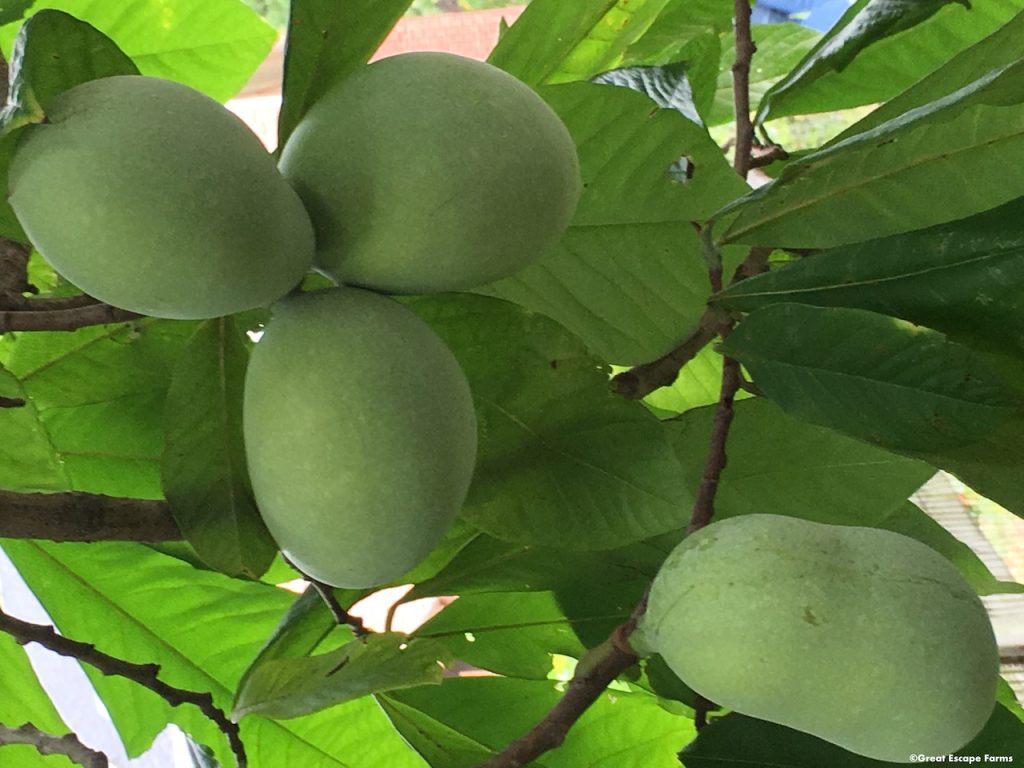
x: 419, y: 173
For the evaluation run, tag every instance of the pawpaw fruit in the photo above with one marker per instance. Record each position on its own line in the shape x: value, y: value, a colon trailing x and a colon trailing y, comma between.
x: 863, y: 637
x: 360, y: 435
x: 430, y: 172
x: 153, y: 197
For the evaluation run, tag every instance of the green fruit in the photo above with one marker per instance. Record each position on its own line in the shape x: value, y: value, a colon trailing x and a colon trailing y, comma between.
x: 152, y: 197
x: 430, y: 172
x: 863, y: 637
x: 360, y: 435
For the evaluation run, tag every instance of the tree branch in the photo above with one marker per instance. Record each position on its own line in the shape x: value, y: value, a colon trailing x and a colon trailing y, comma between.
x: 594, y: 673
x: 84, y: 517
x: 741, y: 88
x: 145, y: 675
x: 48, y: 744
x: 638, y: 382
x: 341, y: 616
x: 62, y: 319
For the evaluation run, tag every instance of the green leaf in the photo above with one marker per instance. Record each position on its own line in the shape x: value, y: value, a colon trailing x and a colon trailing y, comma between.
x: 511, y: 634
x: 12, y: 10
x: 893, y: 384
x: 201, y: 628
x: 53, y: 53
x: 783, y: 466
x: 28, y: 460
x: 211, y: 45
x: 23, y: 700
x: 624, y: 729
x: 731, y: 740
x: 779, y: 48
x: 943, y: 161
x: 558, y: 42
x: 911, y: 521
x: 629, y: 277
x: 667, y: 86
x: 561, y: 459
x: 490, y: 565
x: 959, y: 278
x: 883, y: 380
x: 327, y: 41
x: 879, y: 48
x: 1004, y: 46
x: 203, y: 465
x: 99, y: 394
x: 698, y: 383
x: 288, y: 688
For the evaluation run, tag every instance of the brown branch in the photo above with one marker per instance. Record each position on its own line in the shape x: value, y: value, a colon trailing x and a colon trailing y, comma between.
x: 63, y: 319
x: 48, y: 303
x: 48, y: 744
x: 11, y: 402
x: 13, y: 268
x: 741, y: 88
x: 766, y: 154
x: 594, y: 674
x: 145, y: 675
x: 341, y: 616
x: 638, y: 382
x: 84, y: 517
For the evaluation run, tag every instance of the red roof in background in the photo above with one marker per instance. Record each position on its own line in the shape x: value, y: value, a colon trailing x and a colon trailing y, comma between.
x: 470, y: 33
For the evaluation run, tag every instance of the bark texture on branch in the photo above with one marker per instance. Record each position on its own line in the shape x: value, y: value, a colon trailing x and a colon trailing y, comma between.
x: 84, y: 517
x: 62, y: 319
x: 49, y: 744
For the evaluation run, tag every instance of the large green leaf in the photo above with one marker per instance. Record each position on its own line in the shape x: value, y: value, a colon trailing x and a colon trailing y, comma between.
x: 779, y: 48
x: 730, y: 742
x: 327, y: 41
x: 884, y: 380
x: 960, y: 278
x: 560, y: 460
x: 558, y: 42
x: 211, y: 45
x: 879, y: 48
x: 911, y: 521
x: 629, y: 277
x: 621, y: 729
x: 202, y: 628
x: 203, y: 467
x: 99, y: 394
x: 286, y: 688
x: 893, y: 384
x: 1003, y: 46
x: 28, y: 460
x: 23, y: 700
x: 943, y: 161
x: 783, y: 466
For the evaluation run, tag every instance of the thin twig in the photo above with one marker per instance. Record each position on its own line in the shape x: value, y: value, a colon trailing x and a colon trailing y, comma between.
x: 638, y: 382
x: 145, y: 675
x: 341, y: 616
x: 766, y: 154
x: 741, y: 88
x: 594, y: 674
x: 49, y: 744
x: 84, y: 517
x: 63, y: 319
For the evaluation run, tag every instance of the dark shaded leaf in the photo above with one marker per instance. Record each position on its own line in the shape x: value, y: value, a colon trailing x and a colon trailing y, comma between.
x: 960, y: 278
x: 736, y: 740
x: 203, y: 468
x: 780, y: 465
